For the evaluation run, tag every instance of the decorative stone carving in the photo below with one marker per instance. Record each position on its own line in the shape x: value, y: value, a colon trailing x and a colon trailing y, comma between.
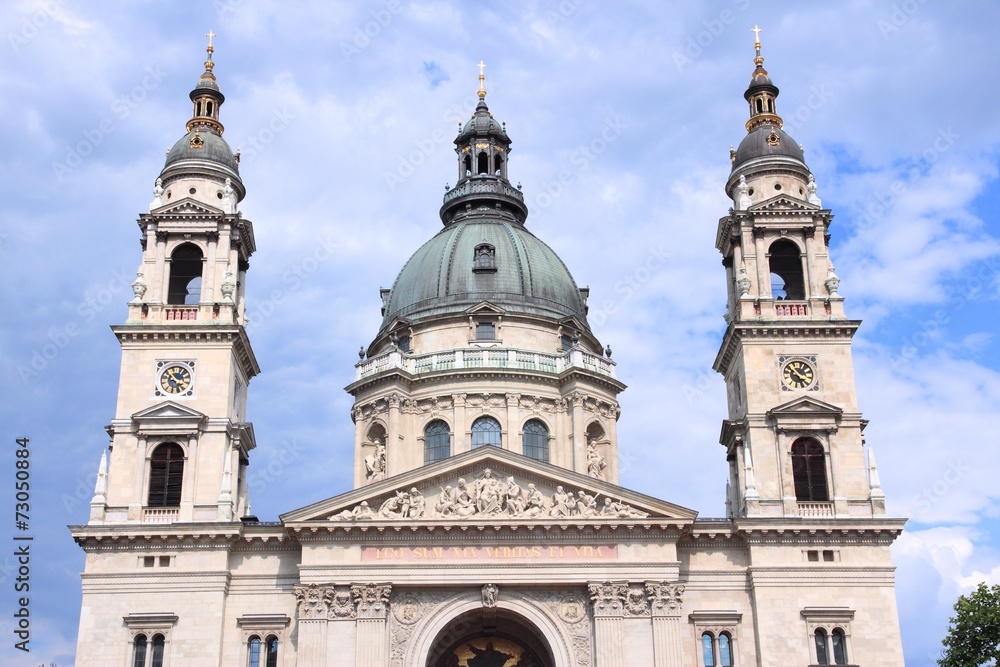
x: 157, y: 195
x: 407, y: 609
x: 595, y: 462
x: 490, y: 594
x: 608, y: 597
x: 743, y: 198
x: 341, y: 604
x: 832, y: 282
x: 228, y: 285
x: 138, y: 288
x: 571, y: 609
x: 161, y: 237
x: 664, y: 598
x: 375, y: 463
x: 312, y: 601
x: 621, y: 510
x: 636, y: 603
x: 228, y: 197
x: 743, y: 281
x: 371, y: 599
x: 758, y: 232
x: 811, y: 189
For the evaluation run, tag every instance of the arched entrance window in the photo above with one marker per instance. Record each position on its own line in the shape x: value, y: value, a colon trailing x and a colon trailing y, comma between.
x: 166, y: 471
x: 482, y: 163
x: 485, y: 431
x: 185, y: 275
x: 809, y: 471
x: 508, y: 640
x: 785, y: 263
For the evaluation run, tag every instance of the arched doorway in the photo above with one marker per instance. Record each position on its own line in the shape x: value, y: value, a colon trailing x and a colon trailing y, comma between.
x: 500, y: 638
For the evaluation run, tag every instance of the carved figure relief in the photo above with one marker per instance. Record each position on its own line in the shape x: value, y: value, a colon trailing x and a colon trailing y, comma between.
x: 595, y: 462
x: 490, y: 593
x: 375, y: 463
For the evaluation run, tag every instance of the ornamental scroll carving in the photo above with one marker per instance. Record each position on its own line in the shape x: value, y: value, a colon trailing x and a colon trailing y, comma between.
x: 608, y: 598
x: 371, y: 599
x: 318, y: 602
x: 665, y: 599
x: 408, y: 607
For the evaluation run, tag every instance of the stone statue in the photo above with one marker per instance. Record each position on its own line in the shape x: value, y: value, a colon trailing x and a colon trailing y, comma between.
x: 446, y: 502
x: 514, y: 498
x: 490, y: 593
x: 395, y: 507
x: 621, y: 510
x: 586, y: 504
x: 811, y: 197
x: 560, y: 503
x: 595, y: 462
x: 743, y: 199
x: 488, y: 493
x: 464, y: 505
x: 416, y: 504
x: 157, y: 195
x: 360, y: 513
x: 534, y: 502
x: 375, y: 463
x: 228, y: 197
x: 488, y: 657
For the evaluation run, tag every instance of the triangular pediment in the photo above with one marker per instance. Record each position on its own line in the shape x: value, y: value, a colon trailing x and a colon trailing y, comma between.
x: 806, y: 406
x: 168, y: 410
x: 485, y: 307
x: 187, y: 207
x: 489, y: 485
x: 783, y: 202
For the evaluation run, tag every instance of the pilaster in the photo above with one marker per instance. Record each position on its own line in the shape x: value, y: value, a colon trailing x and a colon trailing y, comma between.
x: 665, y: 607
x: 372, y: 602
x: 312, y: 607
x: 608, y: 600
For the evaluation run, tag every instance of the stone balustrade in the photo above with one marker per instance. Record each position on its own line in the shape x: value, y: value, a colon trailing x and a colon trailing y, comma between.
x: 491, y: 357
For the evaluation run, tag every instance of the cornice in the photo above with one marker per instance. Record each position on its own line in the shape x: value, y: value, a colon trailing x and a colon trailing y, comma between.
x: 233, y: 335
x: 775, y: 331
x: 473, y: 532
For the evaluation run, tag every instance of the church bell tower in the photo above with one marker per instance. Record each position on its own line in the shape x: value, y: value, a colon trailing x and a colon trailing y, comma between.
x: 179, y: 439
x: 794, y: 436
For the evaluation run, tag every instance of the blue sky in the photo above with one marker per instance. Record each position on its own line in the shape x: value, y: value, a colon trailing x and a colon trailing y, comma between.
x: 345, y: 114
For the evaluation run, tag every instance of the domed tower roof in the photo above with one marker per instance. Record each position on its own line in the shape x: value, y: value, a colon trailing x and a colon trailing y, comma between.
x: 202, y: 150
x: 766, y: 141
x: 484, y: 252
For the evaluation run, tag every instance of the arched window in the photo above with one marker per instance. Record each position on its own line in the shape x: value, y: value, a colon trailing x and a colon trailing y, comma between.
x: 437, y: 441
x: 785, y: 264
x: 535, y: 441
x: 725, y: 650
x: 271, y: 652
x: 707, y: 649
x: 166, y: 470
x: 822, y: 657
x: 467, y: 163
x: 760, y: 105
x: 156, y: 655
x: 139, y: 651
x: 498, y: 159
x: 482, y: 163
x: 253, y: 652
x: 809, y: 471
x: 839, y: 646
x: 484, y: 258
x: 485, y: 431
x: 185, y: 275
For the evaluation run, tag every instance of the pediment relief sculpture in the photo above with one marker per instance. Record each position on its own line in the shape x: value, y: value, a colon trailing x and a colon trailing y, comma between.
x: 487, y: 495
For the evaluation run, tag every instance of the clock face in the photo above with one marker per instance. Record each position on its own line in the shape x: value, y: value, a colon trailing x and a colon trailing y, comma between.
x: 798, y: 374
x: 175, y: 379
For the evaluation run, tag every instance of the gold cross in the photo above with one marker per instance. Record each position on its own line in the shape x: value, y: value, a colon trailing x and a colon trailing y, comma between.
x: 481, y: 66
x: 756, y: 33
x: 210, y: 35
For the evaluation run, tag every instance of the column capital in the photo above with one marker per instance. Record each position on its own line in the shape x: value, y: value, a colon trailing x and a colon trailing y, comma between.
x: 665, y: 598
x: 371, y: 600
x: 608, y: 598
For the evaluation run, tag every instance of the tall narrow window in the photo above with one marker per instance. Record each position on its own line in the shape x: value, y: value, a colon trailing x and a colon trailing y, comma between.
x: 484, y: 259
x: 482, y: 163
x: 707, y: 650
x: 809, y: 471
x: 467, y: 163
x: 166, y: 470
x: 485, y: 431
x: 535, y: 441
x: 437, y: 441
x: 156, y: 655
x: 725, y: 650
x: 822, y: 657
x: 185, y: 275
x: 839, y: 648
x: 139, y: 651
x: 785, y: 264
x: 499, y: 163
x: 271, y: 650
x: 253, y: 652
x: 486, y: 331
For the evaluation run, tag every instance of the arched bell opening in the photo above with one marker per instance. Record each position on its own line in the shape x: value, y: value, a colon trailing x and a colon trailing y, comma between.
x: 490, y: 638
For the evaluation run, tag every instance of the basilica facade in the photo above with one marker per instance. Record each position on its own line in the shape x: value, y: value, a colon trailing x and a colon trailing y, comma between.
x: 486, y: 526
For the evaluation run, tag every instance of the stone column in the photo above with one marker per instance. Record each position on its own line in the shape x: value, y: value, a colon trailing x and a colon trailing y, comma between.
x: 514, y: 443
x: 812, y: 273
x: 791, y: 505
x: 312, y: 607
x: 160, y: 285
x: 763, y: 270
x: 609, y: 633
x: 393, y: 455
x: 579, y: 435
x: 372, y: 601
x: 458, y: 441
x: 665, y: 605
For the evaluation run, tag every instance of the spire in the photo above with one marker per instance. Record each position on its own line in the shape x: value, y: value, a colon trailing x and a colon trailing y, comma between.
x: 761, y: 93
x: 207, y: 96
x: 482, y: 81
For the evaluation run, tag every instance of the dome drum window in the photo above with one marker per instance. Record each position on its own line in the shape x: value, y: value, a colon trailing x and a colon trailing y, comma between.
x: 484, y: 260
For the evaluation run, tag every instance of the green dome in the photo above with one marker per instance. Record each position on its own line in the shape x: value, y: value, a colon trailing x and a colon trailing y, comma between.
x: 443, y: 277
x: 766, y: 141
x: 214, y: 149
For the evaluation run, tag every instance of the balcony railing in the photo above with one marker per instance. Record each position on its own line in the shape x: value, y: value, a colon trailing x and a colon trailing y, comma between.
x: 180, y: 312
x: 483, y: 186
x: 160, y: 515
x: 816, y: 509
x: 417, y: 364
x: 791, y: 308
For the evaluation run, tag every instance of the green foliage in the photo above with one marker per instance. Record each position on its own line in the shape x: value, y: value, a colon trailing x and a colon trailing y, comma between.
x: 974, y: 632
